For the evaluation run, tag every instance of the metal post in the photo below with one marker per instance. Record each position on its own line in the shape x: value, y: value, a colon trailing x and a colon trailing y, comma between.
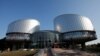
x: 83, y: 46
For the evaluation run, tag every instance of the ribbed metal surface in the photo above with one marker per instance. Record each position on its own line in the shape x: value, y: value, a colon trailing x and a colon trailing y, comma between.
x: 24, y: 26
x: 72, y: 22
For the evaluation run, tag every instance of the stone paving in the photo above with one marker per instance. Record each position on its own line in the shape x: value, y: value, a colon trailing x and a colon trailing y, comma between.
x: 63, y: 52
x: 70, y: 52
x: 41, y: 53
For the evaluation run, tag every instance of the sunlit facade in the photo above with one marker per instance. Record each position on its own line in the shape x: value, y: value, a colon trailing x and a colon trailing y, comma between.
x: 74, y: 28
x: 21, y: 29
x: 18, y: 33
x: 70, y: 30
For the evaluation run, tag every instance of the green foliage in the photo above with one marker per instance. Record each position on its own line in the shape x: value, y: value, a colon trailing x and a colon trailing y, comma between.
x: 93, y: 48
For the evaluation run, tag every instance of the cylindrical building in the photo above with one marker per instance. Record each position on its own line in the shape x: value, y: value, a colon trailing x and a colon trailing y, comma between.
x: 74, y: 28
x: 21, y: 29
x: 18, y: 33
x: 72, y: 22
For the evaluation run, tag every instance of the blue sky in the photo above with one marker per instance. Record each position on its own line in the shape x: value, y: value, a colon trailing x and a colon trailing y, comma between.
x: 46, y: 10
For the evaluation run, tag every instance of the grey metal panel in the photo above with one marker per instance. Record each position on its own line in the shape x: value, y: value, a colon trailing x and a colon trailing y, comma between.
x: 72, y: 22
x: 24, y: 26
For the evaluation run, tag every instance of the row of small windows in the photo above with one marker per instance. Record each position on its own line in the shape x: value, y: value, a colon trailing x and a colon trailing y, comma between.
x: 79, y: 34
x: 18, y: 36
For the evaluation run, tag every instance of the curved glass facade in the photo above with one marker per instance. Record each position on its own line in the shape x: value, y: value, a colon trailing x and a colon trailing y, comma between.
x: 18, y: 36
x: 43, y: 38
x: 80, y: 35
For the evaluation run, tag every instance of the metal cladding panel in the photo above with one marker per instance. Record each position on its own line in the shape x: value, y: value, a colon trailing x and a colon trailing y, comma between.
x: 72, y: 22
x: 24, y: 26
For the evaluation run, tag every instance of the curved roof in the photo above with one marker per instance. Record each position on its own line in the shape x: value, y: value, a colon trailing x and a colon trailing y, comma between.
x: 23, y: 26
x: 72, y: 22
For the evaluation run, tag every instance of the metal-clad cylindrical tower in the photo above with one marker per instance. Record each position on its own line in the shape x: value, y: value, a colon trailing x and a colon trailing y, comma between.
x: 75, y: 27
x: 21, y: 29
x: 72, y: 22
